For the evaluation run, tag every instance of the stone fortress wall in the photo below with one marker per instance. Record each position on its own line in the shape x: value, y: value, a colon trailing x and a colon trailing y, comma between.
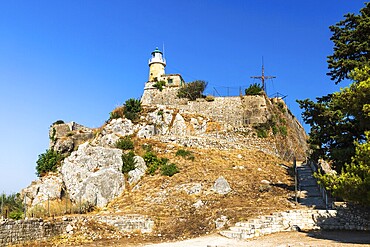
x: 236, y: 111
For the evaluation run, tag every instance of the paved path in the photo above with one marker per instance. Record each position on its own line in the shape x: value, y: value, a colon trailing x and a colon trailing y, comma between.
x: 309, y: 193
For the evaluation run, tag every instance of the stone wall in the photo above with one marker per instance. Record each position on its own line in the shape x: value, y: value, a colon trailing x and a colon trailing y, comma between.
x: 20, y: 231
x: 237, y: 111
x: 293, y: 220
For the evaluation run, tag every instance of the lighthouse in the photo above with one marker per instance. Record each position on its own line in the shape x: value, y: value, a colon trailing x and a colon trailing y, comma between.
x: 157, y: 63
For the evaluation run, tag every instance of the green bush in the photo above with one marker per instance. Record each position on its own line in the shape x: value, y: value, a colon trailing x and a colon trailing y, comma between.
x: 153, y: 163
x: 254, y: 89
x: 283, y: 130
x: 48, y: 162
x: 185, y: 154
x: 132, y: 109
x: 147, y: 147
x: 159, y: 85
x: 125, y: 143
x: 261, y: 133
x: 13, y: 204
x: 58, y: 122
x: 128, y: 162
x: 16, y: 215
x: 169, y: 169
x: 192, y: 90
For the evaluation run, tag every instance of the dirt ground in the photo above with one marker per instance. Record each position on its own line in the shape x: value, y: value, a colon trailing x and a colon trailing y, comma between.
x: 283, y: 239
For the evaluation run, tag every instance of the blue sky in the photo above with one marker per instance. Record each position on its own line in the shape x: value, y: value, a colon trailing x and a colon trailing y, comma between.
x: 77, y: 60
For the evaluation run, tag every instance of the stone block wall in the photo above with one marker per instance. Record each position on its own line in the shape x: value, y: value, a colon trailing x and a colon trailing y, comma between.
x: 20, y: 231
x: 236, y: 111
x: 292, y: 220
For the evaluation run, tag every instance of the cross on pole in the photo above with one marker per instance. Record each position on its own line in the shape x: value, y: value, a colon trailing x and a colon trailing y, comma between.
x: 263, y: 77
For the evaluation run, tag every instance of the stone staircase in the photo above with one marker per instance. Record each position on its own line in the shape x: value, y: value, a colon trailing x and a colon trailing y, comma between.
x: 308, y: 190
x: 308, y: 195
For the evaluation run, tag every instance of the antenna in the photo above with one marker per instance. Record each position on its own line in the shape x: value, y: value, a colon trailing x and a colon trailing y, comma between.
x: 263, y: 77
x: 163, y: 50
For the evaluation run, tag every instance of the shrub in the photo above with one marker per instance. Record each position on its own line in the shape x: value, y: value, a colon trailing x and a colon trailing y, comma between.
x: 159, y: 85
x: 58, y: 122
x: 169, y: 170
x: 283, y: 130
x: 13, y: 204
x: 254, y: 89
x: 147, y: 147
x: 16, y: 215
x: 132, y: 109
x: 153, y: 163
x: 192, y: 90
x: 261, y: 133
x: 48, y: 162
x: 128, y: 162
x: 210, y: 98
x: 125, y: 143
x: 119, y: 112
x: 185, y: 154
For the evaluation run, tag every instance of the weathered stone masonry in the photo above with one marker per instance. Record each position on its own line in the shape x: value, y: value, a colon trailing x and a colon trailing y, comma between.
x: 20, y: 231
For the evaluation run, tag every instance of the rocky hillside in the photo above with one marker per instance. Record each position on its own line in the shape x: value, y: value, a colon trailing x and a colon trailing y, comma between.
x: 189, y: 170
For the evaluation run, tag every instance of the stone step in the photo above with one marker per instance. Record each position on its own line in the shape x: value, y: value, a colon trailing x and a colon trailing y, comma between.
x: 231, y: 234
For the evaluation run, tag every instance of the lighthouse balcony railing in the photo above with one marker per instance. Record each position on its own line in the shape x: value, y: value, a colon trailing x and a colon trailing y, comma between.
x: 155, y: 59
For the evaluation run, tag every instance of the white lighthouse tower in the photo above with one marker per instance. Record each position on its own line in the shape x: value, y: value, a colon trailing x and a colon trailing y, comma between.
x: 157, y: 63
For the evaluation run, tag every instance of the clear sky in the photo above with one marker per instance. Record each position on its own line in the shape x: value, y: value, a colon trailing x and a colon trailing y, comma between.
x: 77, y: 60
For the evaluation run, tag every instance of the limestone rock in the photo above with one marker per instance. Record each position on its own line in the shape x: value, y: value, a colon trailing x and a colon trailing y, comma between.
x: 120, y: 126
x: 146, y: 131
x: 48, y: 187
x: 179, y: 126
x: 84, y: 163
x: 101, y: 187
x: 64, y: 145
x: 140, y: 168
x: 198, y: 204
x: 221, y: 186
x: 117, y: 128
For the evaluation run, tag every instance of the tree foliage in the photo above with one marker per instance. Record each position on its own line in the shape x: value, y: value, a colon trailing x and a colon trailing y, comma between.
x: 48, y: 162
x: 12, y: 206
x: 338, y: 120
x: 353, y: 182
x: 351, y: 38
x: 192, y: 90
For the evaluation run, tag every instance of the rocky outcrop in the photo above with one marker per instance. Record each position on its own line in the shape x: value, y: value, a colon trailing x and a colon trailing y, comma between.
x: 44, y: 189
x: 140, y: 168
x: 113, y: 131
x: 64, y: 137
x: 93, y: 174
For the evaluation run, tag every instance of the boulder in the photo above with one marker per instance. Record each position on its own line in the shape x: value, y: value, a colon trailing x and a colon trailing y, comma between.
x: 179, y: 126
x: 48, y: 187
x: 221, y: 186
x: 101, y: 187
x: 83, y: 169
x: 64, y: 145
x: 140, y: 168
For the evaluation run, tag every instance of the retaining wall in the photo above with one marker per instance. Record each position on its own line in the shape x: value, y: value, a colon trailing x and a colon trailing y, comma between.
x: 293, y: 220
x: 20, y: 231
